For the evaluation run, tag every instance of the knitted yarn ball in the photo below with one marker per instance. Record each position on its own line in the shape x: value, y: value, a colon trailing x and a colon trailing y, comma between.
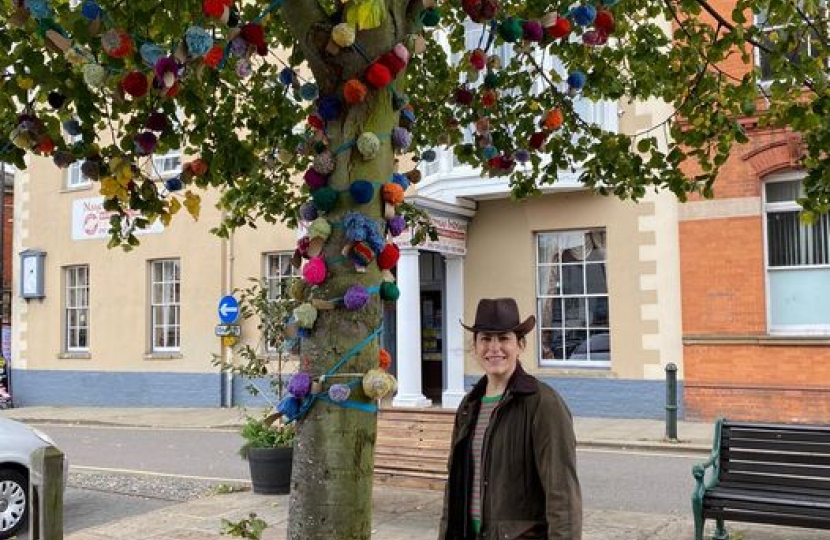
x: 324, y: 162
x: 576, y: 80
x: 362, y: 191
x: 244, y: 68
x: 343, y: 35
x: 429, y: 156
x: 560, y: 28
x: 489, y: 98
x: 389, y: 257
x: 329, y: 107
x: 305, y: 315
x: 553, y: 119
x: 401, y: 138
x: 324, y: 199
x: 401, y: 52
x: 396, y: 225
x: 145, y: 142
x: 360, y: 228
x: 314, y: 271
x: 315, y: 179
x: 492, y: 80
x: 414, y: 176
x: 584, y: 15
x: 72, y: 127
x: 430, y: 17
x: 354, y: 91
x: 213, y: 8
x: 297, y: 290
x: 407, y: 117
x: 289, y: 406
x: 389, y: 291
x: 510, y: 29
x: 489, y: 152
x: 533, y: 31
x: 299, y: 385
x: 368, y: 145
x: 174, y: 184
x: 94, y: 75
x: 480, y: 10
x: 91, y: 169
x: 309, y: 91
x: 392, y: 62
x: 463, y: 96
x: 378, y: 75
x: 392, y: 193
x: 55, y: 99
x: 116, y: 43
x: 150, y: 53
x: 595, y: 38
x: 91, y: 10
x: 254, y: 34
x: 319, y: 228
x: 356, y: 297
x: 62, y: 160
x: 537, y: 140
x: 478, y: 59
x: 521, y: 155
x: 165, y: 69
x: 303, y: 245
x: 157, y: 121
x: 214, y: 56
x: 135, y: 83
x: 384, y: 359
x: 604, y: 21
x: 198, y: 40
x: 287, y: 76
x: 308, y: 212
x: 378, y: 383
x: 339, y: 393
x: 362, y: 254
x: 401, y: 180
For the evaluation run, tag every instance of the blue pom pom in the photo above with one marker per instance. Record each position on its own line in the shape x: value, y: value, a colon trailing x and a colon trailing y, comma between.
x: 362, y: 191
x: 401, y: 180
x: 289, y: 406
x: 429, y: 155
x: 490, y: 152
x: 576, y: 80
x: 198, y: 41
x: 38, y: 8
x: 174, y: 184
x: 329, y: 107
x: 408, y: 114
x: 309, y: 92
x: 287, y: 76
x: 584, y: 15
x: 72, y: 127
x: 91, y: 10
x: 150, y: 53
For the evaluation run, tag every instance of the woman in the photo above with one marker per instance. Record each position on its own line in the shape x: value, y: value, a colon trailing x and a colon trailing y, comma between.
x: 512, y: 464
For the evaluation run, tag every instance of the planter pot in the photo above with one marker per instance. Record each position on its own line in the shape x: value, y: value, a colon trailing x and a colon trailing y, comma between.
x: 270, y: 470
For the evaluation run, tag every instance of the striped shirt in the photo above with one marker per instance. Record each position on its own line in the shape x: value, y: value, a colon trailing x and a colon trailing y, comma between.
x: 488, y: 405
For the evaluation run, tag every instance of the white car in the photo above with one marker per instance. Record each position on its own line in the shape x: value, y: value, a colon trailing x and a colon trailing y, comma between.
x: 17, y: 442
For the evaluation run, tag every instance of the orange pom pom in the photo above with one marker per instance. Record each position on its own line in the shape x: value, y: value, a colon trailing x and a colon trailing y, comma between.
x: 354, y: 91
x: 384, y: 359
x: 553, y: 120
x: 392, y: 193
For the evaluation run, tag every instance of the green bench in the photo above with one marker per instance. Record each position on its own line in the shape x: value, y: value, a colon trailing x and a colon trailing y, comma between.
x: 764, y: 473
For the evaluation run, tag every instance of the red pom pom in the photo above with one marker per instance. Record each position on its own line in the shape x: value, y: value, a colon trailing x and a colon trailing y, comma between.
x: 480, y: 10
x: 478, y: 59
x: 315, y: 121
x: 560, y: 29
x: 46, y: 145
x: 604, y: 21
x: 489, y: 98
x: 463, y: 96
x: 537, y: 140
x: 378, y: 75
x: 214, y: 56
x: 389, y: 257
x: 255, y: 35
x: 354, y: 91
x: 213, y: 8
x: 392, y: 63
x: 135, y: 84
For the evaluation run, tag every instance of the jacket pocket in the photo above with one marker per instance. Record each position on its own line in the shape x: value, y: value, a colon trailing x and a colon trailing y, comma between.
x: 515, y: 530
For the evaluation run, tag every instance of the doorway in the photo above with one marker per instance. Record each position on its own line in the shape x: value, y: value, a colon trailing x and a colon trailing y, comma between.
x: 432, y: 325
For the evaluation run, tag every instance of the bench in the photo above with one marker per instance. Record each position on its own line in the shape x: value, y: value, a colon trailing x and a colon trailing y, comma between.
x: 764, y: 473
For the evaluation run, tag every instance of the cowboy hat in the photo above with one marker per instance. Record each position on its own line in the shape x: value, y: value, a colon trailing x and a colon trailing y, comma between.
x: 500, y: 315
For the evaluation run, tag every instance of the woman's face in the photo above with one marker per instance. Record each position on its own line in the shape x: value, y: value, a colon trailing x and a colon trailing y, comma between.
x: 498, y: 353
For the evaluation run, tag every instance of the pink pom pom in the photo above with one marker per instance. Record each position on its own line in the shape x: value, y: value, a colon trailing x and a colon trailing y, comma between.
x: 314, y: 271
x: 401, y: 52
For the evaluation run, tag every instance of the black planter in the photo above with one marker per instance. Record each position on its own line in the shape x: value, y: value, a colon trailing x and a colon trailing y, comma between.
x: 270, y: 470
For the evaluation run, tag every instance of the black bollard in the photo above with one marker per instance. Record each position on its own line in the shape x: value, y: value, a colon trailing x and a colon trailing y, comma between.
x: 671, y: 402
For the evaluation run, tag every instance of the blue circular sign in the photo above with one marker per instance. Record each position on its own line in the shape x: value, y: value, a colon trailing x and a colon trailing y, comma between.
x: 228, y: 309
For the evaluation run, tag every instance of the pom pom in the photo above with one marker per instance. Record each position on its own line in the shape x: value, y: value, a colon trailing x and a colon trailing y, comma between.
x: 63, y: 160
x: 329, y: 107
x: 480, y: 10
x: 315, y: 121
x: 489, y: 98
x: 72, y: 127
x: 494, y: 62
x: 299, y: 385
x: 362, y: 254
x: 430, y: 17
x: 384, y: 359
x: 604, y: 21
x: 308, y: 212
x: 305, y: 315
x: 414, y: 176
x: 401, y: 138
x: 255, y: 35
x: 289, y: 406
x: 198, y: 41
x: 214, y: 9
x: 521, y: 155
x: 166, y: 70
x: 389, y: 257
x: 407, y: 117
x: 151, y: 53
x: 214, y: 56
x: 174, y: 184
x: 91, y: 169
x: 339, y: 393
x: 91, y: 10
x: 389, y: 291
x: 553, y: 119
x: 489, y: 152
x: 157, y: 121
x: 302, y: 247
x: 401, y: 180
x: 354, y: 91
x: 360, y: 228
x: 56, y: 100
x: 324, y: 162
x: 287, y: 76
x: 478, y: 59
x: 343, y: 35
x: 491, y: 80
x: 243, y: 68
x: 297, y: 289
x: 378, y: 384
x: 135, y: 83
x: 392, y: 193
x: 584, y: 15
x: 314, y: 179
x: 510, y: 29
x: 145, y: 143
x: 362, y: 191
x: 401, y: 52
x: 594, y: 38
x: 314, y: 271
x: 319, y: 228
x: 463, y: 96
x: 368, y: 145
x: 533, y: 31
x: 560, y: 28
x: 325, y: 199
x: 94, y: 75
x: 356, y: 297
x: 429, y: 156
x: 393, y: 63
x: 309, y: 92
x: 576, y: 80
x: 537, y: 140
x: 396, y: 225
x: 378, y: 75
x: 116, y: 43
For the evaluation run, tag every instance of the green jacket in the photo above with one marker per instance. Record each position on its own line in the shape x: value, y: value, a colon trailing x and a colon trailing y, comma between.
x: 529, y: 484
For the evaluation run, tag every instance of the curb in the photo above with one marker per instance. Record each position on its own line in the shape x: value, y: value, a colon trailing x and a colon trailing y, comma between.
x: 649, y: 446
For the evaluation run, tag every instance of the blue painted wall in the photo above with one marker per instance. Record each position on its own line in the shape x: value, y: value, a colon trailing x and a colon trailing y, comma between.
x: 115, y: 389
x: 611, y: 398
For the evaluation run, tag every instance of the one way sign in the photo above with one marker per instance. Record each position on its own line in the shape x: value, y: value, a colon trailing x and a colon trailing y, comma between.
x: 228, y: 309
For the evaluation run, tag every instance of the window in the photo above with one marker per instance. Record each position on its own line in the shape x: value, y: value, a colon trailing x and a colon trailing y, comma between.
x: 75, y: 178
x: 278, y: 274
x: 793, y: 36
x: 165, y: 305
x: 76, y: 301
x: 169, y: 164
x: 572, y: 298
x: 798, y: 262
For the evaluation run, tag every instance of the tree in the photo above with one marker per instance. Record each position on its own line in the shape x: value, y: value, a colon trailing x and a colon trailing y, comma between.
x: 256, y: 93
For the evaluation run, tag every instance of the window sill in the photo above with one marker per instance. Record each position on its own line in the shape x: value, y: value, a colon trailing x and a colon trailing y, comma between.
x: 761, y: 340
x: 73, y: 189
x: 79, y: 355
x: 153, y: 356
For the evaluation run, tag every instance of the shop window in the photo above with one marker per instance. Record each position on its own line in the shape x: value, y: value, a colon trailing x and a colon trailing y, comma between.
x: 165, y: 305
x: 798, y: 262
x: 76, y: 308
x: 572, y: 298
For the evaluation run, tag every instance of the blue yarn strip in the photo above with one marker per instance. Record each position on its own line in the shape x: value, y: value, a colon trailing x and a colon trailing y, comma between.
x: 274, y: 5
x: 355, y: 350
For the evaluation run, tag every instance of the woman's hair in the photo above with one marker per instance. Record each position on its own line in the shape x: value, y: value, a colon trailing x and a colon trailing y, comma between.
x: 521, y: 338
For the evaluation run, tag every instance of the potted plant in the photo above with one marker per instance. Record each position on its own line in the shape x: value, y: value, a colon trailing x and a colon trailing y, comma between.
x: 269, y: 449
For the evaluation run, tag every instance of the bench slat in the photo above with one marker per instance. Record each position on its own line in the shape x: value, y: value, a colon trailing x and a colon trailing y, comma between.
x: 778, y: 446
x: 774, y: 469
x: 794, y: 434
x: 759, y: 479
x: 748, y: 516
x: 767, y: 457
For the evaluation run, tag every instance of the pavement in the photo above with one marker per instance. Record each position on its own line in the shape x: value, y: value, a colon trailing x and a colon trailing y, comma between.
x: 398, y: 513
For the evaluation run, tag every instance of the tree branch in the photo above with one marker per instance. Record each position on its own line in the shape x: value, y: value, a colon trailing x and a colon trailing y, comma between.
x: 302, y: 18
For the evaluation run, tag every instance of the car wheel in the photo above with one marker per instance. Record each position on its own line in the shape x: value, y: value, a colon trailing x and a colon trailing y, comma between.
x: 14, y: 507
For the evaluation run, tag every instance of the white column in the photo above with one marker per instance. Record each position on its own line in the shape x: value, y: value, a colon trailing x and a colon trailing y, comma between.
x: 408, y: 342
x: 454, y: 312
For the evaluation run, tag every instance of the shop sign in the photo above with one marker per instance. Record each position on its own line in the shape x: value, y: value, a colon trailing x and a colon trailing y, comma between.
x: 91, y: 222
x: 452, y: 236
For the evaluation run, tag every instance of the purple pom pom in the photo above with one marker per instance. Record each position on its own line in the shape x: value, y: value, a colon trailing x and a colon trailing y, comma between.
x: 329, y: 107
x: 362, y: 191
x: 401, y: 138
x: 299, y: 385
x: 396, y: 225
x: 533, y: 31
x: 339, y: 393
x: 314, y: 179
x: 356, y: 297
x: 308, y: 212
x: 521, y: 155
x: 145, y: 143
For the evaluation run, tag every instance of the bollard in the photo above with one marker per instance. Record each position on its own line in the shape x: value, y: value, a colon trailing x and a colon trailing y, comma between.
x: 671, y: 402
x: 46, y: 494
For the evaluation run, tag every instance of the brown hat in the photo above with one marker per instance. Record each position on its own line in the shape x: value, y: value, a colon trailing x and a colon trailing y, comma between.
x: 500, y: 315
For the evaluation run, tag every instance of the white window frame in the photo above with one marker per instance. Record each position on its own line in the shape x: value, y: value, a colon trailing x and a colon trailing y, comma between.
x: 76, y: 302
x: 165, y: 305
x: 570, y: 363
x: 167, y: 165
x: 75, y: 179
x: 760, y: 21
x: 787, y: 206
x: 276, y: 283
